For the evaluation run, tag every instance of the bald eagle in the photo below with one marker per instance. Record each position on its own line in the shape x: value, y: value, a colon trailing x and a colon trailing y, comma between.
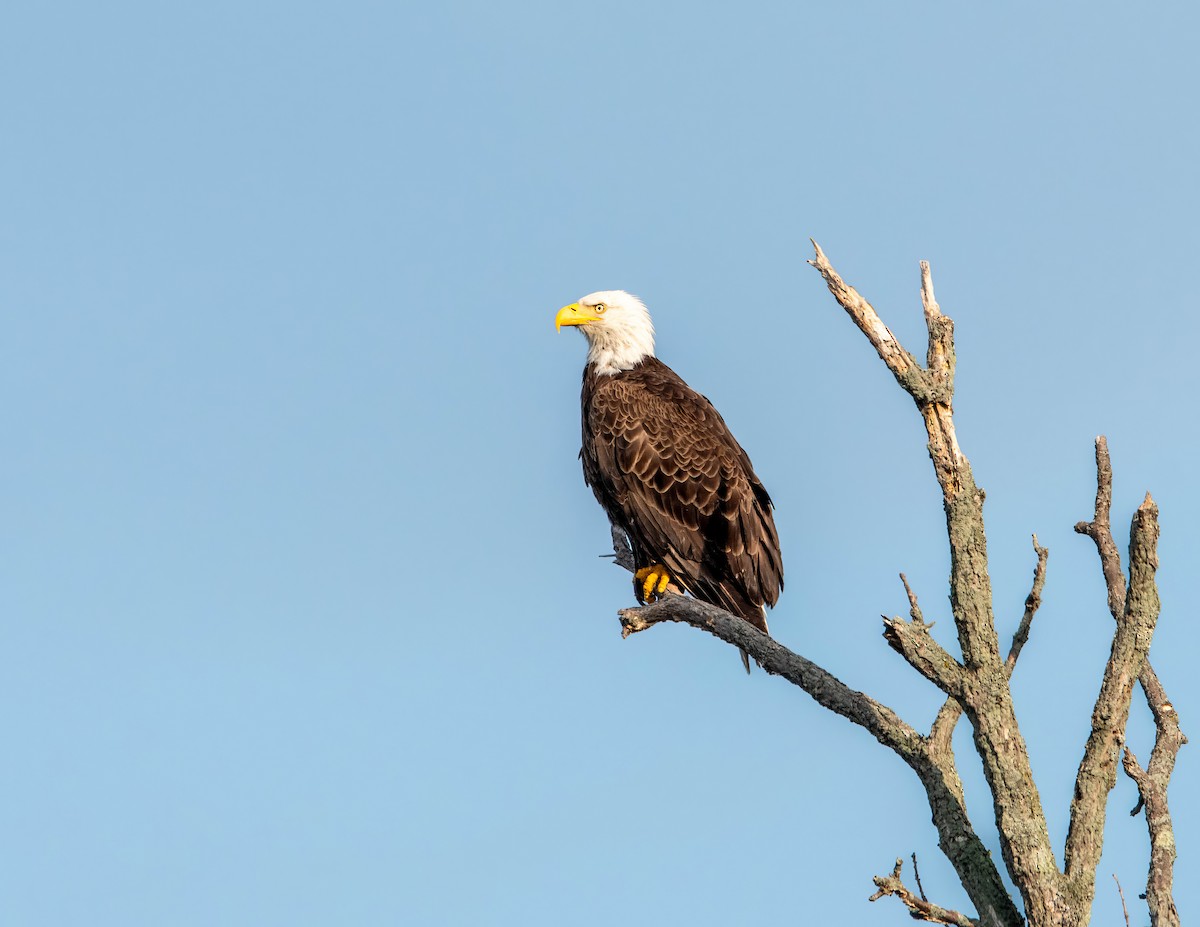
x: 666, y: 469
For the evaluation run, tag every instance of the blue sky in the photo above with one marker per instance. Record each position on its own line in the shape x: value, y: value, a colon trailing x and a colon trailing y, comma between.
x: 302, y: 614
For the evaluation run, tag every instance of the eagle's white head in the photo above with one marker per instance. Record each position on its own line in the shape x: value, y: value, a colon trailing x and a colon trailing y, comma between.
x: 617, y: 326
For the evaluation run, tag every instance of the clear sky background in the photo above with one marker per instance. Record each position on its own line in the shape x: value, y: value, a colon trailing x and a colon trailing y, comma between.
x: 303, y: 619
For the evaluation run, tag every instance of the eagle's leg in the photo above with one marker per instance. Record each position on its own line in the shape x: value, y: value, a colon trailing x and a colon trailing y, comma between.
x: 651, y: 582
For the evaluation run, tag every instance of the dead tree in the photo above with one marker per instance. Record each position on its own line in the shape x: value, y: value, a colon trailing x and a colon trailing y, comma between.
x: 977, y: 683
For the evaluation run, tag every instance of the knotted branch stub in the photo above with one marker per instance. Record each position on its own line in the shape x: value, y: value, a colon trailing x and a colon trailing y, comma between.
x: 918, y: 907
x: 912, y: 640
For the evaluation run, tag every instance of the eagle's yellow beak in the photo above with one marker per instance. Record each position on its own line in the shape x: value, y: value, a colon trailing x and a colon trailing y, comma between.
x: 574, y: 314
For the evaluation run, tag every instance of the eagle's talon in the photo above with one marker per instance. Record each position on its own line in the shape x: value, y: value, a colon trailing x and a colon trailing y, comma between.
x: 649, y: 583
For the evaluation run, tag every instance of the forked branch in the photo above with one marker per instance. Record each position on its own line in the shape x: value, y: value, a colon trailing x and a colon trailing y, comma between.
x: 1152, y: 781
x: 1152, y: 791
x: 984, y: 694
x: 941, y: 734
x: 918, y: 907
x: 1098, y: 768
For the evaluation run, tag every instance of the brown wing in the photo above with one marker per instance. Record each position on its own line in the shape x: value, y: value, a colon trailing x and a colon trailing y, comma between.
x: 664, y: 464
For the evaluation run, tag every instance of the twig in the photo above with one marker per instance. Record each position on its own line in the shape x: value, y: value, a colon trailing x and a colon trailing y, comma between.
x: 951, y: 711
x: 914, y: 610
x: 919, y: 908
x: 1120, y: 892
x: 1032, y: 602
x: 622, y: 551
x: 911, y: 639
x: 917, y: 876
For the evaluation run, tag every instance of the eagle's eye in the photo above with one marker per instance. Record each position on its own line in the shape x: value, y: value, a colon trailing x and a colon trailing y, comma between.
x: 600, y: 307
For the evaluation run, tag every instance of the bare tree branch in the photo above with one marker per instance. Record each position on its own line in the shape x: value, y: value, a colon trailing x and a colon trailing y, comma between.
x: 902, y: 364
x: 912, y: 640
x: 1032, y: 602
x: 884, y: 724
x: 1099, y: 529
x: 1098, y: 768
x: 1152, y: 783
x: 940, y: 735
x: 1121, y: 892
x: 956, y: 836
x: 622, y: 552
x: 917, y: 876
x: 1152, y: 789
x: 1024, y: 839
x: 914, y: 609
x: 919, y: 908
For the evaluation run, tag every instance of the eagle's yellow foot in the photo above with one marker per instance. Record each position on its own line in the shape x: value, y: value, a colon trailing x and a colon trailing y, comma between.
x: 650, y: 582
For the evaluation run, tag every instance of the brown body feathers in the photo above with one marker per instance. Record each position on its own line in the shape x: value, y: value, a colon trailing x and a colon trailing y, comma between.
x: 666, y: 469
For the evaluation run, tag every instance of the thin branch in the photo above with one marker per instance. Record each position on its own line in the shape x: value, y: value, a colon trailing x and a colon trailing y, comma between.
x: 1099, y: 529
x: 622, y: 551
x: 912, y: 640
x: 932, y: 391
x: 1121, y: 892
x: 914, y: 610
x: 886, y: 726
x: 1152, y: 791
x: 919, y: 908
x: 1098, y: 768
x: 1032, y: 602
x: 928, y: 303
x: 917, y: 876
x: 901, y: 363
x: 956, y: 836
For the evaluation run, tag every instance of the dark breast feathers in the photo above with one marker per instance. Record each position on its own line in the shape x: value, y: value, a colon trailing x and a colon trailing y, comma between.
x: 665, y: 467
